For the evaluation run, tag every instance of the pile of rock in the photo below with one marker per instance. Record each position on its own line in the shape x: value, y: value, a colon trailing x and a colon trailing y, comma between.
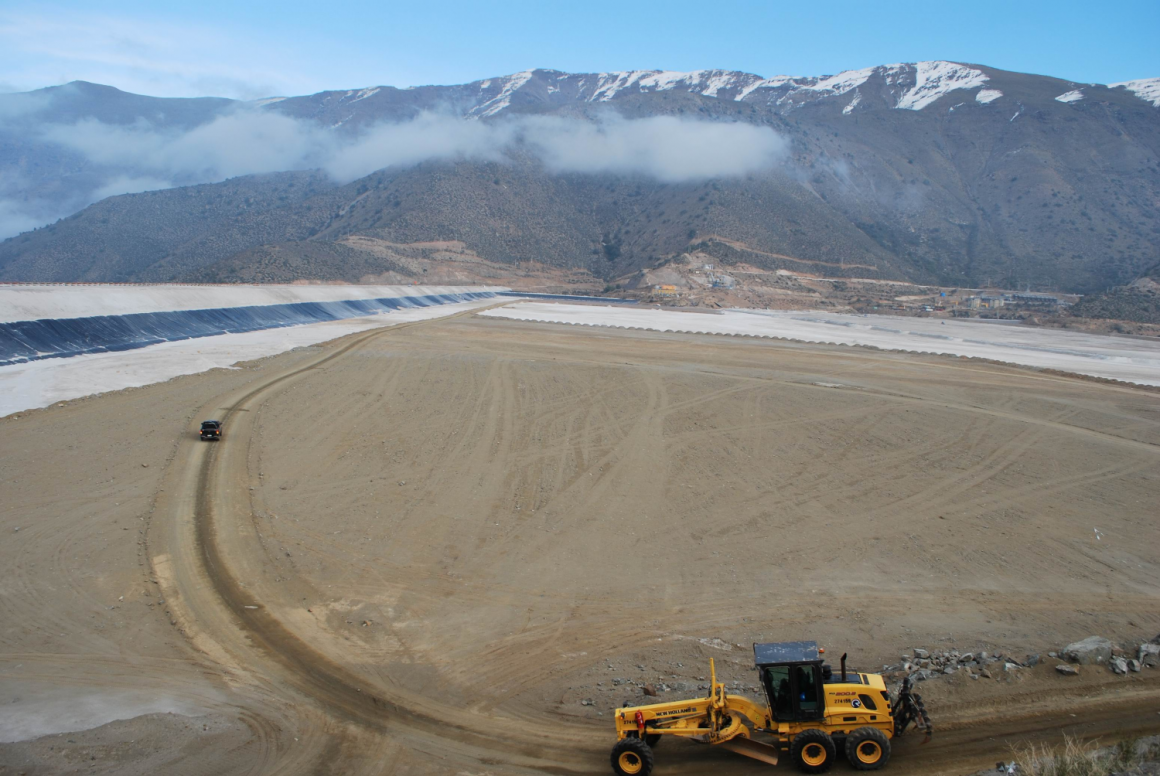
x: 922, y: 664
x: 1097, y: 651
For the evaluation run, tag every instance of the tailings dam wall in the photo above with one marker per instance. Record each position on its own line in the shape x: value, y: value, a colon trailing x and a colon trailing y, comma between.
x: 58, y: 321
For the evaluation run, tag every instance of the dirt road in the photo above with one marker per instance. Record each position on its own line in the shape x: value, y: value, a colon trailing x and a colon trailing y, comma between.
x: 420, y: 550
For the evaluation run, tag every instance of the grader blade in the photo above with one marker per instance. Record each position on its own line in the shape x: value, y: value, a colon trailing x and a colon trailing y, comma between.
x: 750, y: 748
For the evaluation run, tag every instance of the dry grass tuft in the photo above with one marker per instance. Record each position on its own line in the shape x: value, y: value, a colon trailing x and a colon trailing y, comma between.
x: 1075, y: 758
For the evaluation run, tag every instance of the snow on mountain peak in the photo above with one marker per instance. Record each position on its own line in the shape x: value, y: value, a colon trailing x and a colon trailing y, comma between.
x: 931, y: 80
x: 705, y: 82
x: 935, y: 79
x: 511, y: 84
x: 1147, y: 89
x: 364, y: 93
x: 842, y: 82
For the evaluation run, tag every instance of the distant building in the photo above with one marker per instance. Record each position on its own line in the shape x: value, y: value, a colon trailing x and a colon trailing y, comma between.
x: 1036, y: 301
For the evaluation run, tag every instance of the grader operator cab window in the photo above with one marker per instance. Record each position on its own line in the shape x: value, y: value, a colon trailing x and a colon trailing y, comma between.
x: 780, y: 694
x: 807, y: 690
x: 792, y: 675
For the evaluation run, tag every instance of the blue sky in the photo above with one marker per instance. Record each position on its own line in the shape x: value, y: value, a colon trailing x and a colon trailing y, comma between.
x: 294, y: 47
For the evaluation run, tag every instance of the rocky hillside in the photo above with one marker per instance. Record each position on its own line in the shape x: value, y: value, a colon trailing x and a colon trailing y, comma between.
x: 934, y: 172
x: 159, y: 235
x: 1137, y: 302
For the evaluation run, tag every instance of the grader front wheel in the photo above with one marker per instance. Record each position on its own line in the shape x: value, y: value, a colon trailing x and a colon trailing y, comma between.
x: 813, y: 751
x: 632, y: 757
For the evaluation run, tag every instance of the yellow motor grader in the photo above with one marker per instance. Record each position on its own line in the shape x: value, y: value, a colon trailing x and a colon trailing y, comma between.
x: 811, y: 712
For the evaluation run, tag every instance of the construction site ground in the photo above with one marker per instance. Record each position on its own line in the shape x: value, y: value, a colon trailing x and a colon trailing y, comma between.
x: 431, y: 549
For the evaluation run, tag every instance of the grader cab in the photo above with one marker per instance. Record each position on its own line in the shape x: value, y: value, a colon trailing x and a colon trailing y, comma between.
x: 809, y: 711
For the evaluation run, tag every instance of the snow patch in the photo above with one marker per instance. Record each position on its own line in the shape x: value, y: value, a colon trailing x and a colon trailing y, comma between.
x: 1075, y: 95
x: 1147, y: 89
x: 988, y: 95
x: 608, y: 84
x: 511, y: 84
x: 716, y: 83
x: 853, y: 104
x: 364, y: 93
x: 935, y: 79
x: 765, y: 83
x: 842, y: 82
x: 705, y: 82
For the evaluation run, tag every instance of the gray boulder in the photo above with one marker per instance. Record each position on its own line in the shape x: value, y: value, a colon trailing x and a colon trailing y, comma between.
x: 1093, y: 650
x: 1067, y: 670
x: 1119, y: 665
x: 1149, y: 654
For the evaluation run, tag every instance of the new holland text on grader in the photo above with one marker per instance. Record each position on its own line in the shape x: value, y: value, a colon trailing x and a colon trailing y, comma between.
x: 811, y: 712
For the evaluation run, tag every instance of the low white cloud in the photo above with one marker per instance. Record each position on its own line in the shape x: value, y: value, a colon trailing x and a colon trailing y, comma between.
x: 21, y: 104
x: 663, y: 147
x: 256, y: 141
x: 140, y: 157
x: 241, y: 143
x: 426, y: 137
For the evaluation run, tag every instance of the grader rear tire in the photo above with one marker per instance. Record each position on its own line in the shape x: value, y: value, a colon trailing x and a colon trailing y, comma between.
x: 867, y: 749
x: 632, y: 757
x: 813, y: 751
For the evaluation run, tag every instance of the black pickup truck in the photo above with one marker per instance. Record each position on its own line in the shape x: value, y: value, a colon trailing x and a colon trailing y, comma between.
x: 211, y: 429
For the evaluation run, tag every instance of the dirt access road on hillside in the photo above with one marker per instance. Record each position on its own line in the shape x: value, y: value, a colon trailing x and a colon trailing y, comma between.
x: 421, y: 549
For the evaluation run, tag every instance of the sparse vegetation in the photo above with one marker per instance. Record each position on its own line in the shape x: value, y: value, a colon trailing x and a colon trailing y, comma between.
x: 1075, y: 758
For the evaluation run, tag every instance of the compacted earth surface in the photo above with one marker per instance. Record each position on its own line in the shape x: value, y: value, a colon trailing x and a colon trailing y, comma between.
x: 455, y: 546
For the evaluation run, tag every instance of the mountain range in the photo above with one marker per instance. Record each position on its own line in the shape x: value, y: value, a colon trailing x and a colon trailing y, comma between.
x: 933, y: 172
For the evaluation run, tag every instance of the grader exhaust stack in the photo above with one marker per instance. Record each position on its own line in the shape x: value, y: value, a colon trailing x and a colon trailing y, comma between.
x: 808, y: 712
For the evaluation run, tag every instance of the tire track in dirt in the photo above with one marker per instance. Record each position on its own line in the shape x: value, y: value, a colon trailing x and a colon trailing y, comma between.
x: 339, y: 691
x: 331, y: 683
